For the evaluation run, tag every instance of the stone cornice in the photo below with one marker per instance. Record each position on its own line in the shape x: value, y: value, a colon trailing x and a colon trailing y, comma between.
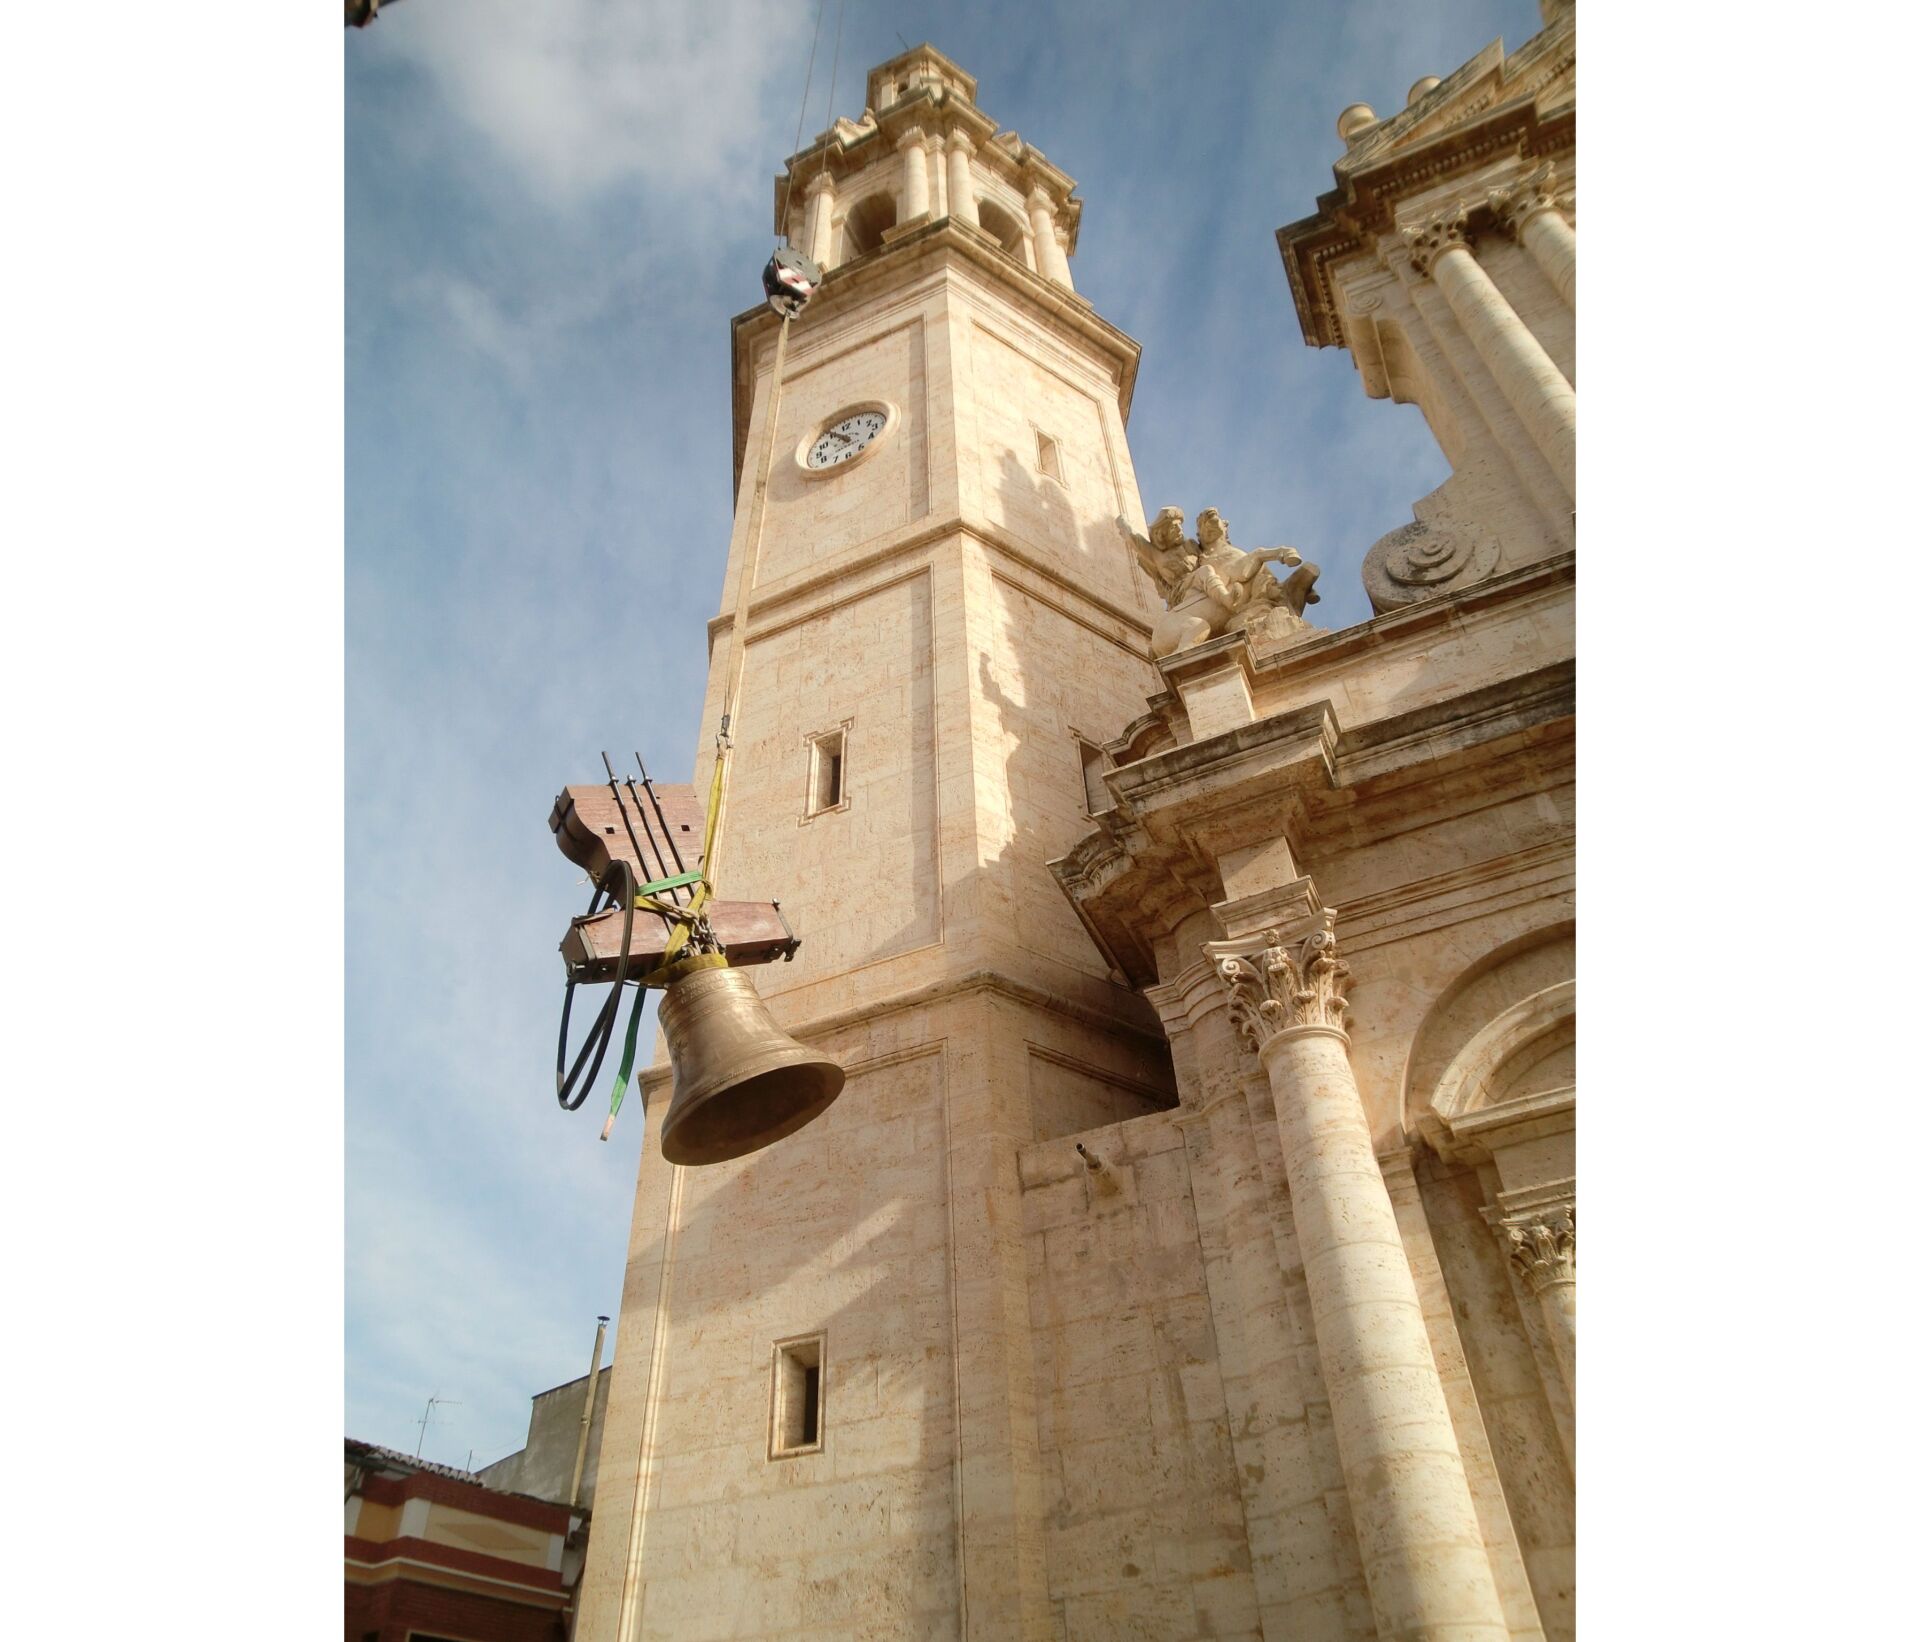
x: 937, y: 243
x: 863, y: 569
x: 1356, y: 215
x: 1193, y: 992
x: 1151, y: 861
x: 1408, y: 624
x: 1278, y: 754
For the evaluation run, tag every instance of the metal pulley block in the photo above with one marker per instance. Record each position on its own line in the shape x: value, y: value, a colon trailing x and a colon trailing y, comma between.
x: 789, y: 279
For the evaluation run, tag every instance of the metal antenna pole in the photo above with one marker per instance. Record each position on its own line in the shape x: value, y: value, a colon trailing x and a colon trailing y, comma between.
x: 434, y: 1401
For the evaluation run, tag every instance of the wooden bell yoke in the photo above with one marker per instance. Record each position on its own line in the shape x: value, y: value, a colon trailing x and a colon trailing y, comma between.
x: 593, y: 829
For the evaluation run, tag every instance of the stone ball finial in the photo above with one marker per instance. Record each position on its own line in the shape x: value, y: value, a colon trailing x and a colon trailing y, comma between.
x: 1421, y: 87
x: 1355, y: 119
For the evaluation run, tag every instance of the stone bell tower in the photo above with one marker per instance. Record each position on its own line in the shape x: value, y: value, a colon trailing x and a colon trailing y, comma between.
x: 823, y: 1414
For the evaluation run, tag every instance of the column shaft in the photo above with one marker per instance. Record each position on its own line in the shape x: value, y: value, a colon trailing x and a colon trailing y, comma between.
x: 1556, y: 1307
x: 1548, y: 239
x: 1047, y: 259
x: 1427, y: 1568
x: 1540, y: 1245
x: 1480, y: 396
x: 961, y: 202
x: 820, y: 222
x: 1541, y: 397
x: 937, y: 173
x: 913, y: 149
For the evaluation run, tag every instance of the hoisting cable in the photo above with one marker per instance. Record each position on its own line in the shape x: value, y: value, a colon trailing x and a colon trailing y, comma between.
x: 743, y: 605
x: 789, y: 279
x: 800, y: 119
x: 833, y: 81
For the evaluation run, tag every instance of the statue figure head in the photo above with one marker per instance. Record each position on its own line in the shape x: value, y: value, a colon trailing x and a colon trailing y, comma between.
x: 1168, y: 528
x: 1212, y: 528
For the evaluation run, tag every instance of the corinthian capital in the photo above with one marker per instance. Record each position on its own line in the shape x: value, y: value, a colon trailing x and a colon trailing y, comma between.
x: 1280, y: 985
x: 1513, y: 205
x: 1439, y: 235
x: 1540, y: 1245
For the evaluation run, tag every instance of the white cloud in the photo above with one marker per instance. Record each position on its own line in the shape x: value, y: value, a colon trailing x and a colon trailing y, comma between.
x: 582, y: 95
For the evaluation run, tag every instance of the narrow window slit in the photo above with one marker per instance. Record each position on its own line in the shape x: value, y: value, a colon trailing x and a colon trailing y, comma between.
x: 1047, y: 454
x: 810, y: 1406
x: 799, y: 1410
x: 827, y: 774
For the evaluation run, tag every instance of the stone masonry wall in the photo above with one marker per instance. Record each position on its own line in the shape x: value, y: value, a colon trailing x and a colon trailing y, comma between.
x: 841, y: 1231
x: 1145, y: 1535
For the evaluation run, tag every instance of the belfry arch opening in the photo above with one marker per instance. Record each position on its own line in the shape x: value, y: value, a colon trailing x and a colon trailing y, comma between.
x: 867, y: 223
x: 1000, y: 224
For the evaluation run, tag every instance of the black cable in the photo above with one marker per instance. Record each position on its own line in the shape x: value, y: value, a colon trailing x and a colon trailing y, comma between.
x: 600, y: 1034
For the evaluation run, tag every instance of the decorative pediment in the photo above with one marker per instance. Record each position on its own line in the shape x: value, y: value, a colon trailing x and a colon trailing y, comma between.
x: 1541, y: 70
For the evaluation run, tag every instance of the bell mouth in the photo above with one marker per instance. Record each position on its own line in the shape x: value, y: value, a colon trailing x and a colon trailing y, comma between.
x: 739, y: 1082
x: 746, y: 1116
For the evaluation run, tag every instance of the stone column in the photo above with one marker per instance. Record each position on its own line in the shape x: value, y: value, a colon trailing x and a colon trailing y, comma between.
x: 1047, y: 258
x: 1541, y: 397
x: 818, y: 235
x: 1531, y: 210
x: 1540, y: 1245
x: 960, y: 200
x: 937, y: 173
x: 1428, y: 1573
x: 913, y: 149
x: 1063, y: 269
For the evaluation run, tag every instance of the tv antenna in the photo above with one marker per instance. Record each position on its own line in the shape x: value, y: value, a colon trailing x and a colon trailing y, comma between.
x: 433, y: 1402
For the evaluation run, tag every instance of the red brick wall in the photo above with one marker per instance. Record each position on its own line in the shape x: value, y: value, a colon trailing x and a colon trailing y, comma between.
x: 395, y: 1607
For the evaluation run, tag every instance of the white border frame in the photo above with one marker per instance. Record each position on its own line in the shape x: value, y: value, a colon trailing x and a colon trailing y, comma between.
x: 886, y: 407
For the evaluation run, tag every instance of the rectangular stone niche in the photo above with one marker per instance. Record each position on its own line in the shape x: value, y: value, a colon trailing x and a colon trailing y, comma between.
x: 827, y: 771
x: 799, y: 1400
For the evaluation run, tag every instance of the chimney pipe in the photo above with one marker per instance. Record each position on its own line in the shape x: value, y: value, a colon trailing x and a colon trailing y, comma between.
x: 586, y: 1414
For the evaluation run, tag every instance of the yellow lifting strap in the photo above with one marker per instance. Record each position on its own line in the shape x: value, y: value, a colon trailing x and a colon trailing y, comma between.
x: 683, y: 917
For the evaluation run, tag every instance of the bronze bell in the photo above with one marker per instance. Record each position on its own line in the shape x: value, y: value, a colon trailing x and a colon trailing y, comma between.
x: 739, y: 1082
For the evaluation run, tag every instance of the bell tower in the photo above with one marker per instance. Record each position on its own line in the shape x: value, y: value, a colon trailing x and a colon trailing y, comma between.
x: 824, y: 1413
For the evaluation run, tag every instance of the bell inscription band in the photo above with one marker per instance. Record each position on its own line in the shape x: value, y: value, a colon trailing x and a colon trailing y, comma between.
x: 739, y: 1082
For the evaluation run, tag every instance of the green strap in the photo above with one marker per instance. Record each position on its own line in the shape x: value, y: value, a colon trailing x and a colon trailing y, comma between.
x: 660, y: 886
x: 626, y: 1057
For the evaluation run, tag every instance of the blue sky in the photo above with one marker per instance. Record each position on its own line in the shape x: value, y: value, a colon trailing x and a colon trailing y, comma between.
x: 552, y: 212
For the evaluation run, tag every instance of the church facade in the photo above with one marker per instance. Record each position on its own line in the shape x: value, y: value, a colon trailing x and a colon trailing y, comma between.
x: 1190, y: 1252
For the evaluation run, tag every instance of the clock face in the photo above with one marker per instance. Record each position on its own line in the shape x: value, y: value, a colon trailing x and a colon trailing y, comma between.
x: 846, y: 438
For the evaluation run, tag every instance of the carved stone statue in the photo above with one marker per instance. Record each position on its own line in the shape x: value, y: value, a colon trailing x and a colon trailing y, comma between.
x: 1212, y: 587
